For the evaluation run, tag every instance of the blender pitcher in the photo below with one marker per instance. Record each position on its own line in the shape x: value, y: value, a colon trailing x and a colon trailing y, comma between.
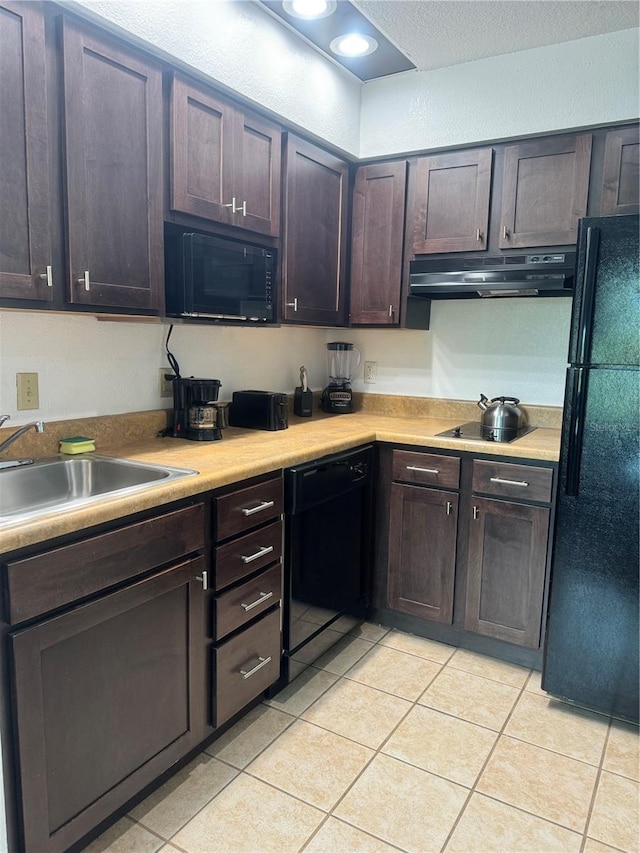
x: 339, y: 357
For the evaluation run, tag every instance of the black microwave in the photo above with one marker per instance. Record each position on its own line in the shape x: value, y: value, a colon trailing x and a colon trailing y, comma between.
x: 218, y: 279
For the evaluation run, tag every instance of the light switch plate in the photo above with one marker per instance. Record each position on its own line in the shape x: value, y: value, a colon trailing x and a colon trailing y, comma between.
x: 27, y: 391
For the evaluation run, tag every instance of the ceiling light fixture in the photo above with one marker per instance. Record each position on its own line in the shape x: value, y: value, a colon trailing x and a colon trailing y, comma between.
x: 309, y: 9
x: 353, y: 44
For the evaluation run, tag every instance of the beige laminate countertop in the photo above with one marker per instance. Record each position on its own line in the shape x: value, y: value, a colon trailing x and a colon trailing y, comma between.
x: 246, y: 453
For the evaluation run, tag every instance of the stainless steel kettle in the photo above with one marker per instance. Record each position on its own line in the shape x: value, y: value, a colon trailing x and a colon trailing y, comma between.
x: 501, y: 416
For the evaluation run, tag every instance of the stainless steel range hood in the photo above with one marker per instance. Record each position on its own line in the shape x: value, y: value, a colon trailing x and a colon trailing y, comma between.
x: 509, y: 275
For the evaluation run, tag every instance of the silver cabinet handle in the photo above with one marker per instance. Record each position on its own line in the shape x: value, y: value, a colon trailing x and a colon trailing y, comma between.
x: 261, y: 662
x: 449, y: 507
x: 259, y: 508
x: 47, y: 276
x: 505, y: 232
x: 509, y: 482
x: 424, y: 470
x: 85, y: 280
x: 237, y: 208
x: 478, y: 235
x: 264, y: 596
x: 391, y: 310
x: 204, y: 580
x: 293, y: 304
x: 475, y: 513
x: 259, y: 553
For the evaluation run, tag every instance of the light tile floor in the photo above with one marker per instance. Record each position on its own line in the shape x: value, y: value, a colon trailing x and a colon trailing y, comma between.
x: 393, y: 742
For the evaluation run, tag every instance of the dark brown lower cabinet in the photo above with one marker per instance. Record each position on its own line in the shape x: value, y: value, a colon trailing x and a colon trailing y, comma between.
x: 422, y: 551
x: 471, y: 556
x: 107, y: 697
x: 506, y: 570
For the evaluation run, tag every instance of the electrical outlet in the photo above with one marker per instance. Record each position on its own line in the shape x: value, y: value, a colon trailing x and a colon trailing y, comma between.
x: 165, y: 386
x: 371, y: 372
x: 27, y: 388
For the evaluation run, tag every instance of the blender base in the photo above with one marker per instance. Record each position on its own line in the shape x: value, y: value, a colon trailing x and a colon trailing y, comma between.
x: 337, y: 400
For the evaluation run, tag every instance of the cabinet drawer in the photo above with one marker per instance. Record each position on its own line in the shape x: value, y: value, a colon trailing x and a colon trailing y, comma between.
x: 426, y: 469
x: 56, y: 578
x: 239, y: 605
x: 246, y: 508
x: 524, y: 482
x: 246, y: 555
x: 246, y: 665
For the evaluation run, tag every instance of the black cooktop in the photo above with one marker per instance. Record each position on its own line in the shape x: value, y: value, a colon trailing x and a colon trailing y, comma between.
x: 473, y: 431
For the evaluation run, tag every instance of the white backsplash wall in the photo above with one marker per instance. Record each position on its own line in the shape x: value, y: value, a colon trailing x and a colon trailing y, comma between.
x: 86, y: 367
x: 517, y: 347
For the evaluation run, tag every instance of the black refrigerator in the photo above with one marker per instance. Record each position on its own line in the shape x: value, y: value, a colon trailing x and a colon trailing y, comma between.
x: 591, y: 646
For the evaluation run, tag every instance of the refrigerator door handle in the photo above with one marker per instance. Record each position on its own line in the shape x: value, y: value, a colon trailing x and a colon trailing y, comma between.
x: 577, y: 398
x: 585, y: 321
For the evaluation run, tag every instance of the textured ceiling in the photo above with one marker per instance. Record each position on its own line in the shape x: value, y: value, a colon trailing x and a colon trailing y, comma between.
x: 439, y: 33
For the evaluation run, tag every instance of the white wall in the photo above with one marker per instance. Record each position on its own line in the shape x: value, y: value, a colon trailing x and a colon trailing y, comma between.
x: 517, y: 347
x: 91, y: 368
x: 242, y: 47
x: 575, y: 84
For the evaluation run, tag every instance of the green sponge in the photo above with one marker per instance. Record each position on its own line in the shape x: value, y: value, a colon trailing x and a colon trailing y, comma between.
x: 77, y: 444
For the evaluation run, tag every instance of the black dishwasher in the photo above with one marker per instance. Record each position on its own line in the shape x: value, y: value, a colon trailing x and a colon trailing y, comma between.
x: 328, y: 507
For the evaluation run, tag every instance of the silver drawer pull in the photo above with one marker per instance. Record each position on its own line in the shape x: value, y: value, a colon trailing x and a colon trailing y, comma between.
x: 424, y: 470
x: 509, y: 482
x: 264, y: 596
x: 259, y: 508
x: 261, y: 662
x: 204, y: 580
x: 259, y: 553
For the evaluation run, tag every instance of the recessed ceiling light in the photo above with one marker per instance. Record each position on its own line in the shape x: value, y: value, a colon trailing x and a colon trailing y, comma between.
x: 353, y: 44
x: 309, y: 8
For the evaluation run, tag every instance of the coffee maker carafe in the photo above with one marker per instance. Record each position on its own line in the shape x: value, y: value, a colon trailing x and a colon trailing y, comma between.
x: 196, y: 414
x: 337, y: 396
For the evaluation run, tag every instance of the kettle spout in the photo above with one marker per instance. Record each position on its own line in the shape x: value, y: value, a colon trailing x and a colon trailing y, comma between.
x: 482, y: 402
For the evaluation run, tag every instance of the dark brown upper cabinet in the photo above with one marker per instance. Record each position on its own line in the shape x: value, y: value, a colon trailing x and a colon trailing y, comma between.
x: 225, y: 162
x: 544, y: 193
x: 25, y: 218
x: 451, y: 207
x: 113, y: 170
x: 376, y: 244
x: 314, y: 245
x: 621, y: 179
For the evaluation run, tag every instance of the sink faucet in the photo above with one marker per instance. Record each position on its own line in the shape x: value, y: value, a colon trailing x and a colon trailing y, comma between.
x: 37, y: 425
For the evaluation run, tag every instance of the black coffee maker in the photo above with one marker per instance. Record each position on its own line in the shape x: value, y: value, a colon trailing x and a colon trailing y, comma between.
x: 196, y: 415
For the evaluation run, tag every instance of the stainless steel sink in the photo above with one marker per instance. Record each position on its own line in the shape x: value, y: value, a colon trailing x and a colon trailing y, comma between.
x: 62, y: 482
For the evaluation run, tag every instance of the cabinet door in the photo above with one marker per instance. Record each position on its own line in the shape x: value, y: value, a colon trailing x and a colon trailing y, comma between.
x: 201, y: 152
x: 505, y: 582
x: 313, y: 270
x: 376, y: 247
x: 422, y: 552
x: 544, y: 193
x: 257, y: 156
x: 621, y: 179
x: 25, y: 241
x: 113, y: 138
x: 452, y: 202
x: 107, y: 697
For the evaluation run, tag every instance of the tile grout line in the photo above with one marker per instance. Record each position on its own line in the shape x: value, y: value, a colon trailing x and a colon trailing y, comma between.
x: 473, y: 789
x: 594, y: 793
x: 376, y: 752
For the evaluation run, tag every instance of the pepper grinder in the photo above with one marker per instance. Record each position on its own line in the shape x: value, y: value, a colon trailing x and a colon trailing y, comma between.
x: 303, y: 397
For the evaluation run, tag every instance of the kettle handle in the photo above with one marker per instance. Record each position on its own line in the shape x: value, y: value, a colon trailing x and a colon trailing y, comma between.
x: 502, y: 399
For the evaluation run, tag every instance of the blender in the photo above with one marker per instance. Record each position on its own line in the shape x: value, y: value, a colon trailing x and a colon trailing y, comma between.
x: 337, y: 396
